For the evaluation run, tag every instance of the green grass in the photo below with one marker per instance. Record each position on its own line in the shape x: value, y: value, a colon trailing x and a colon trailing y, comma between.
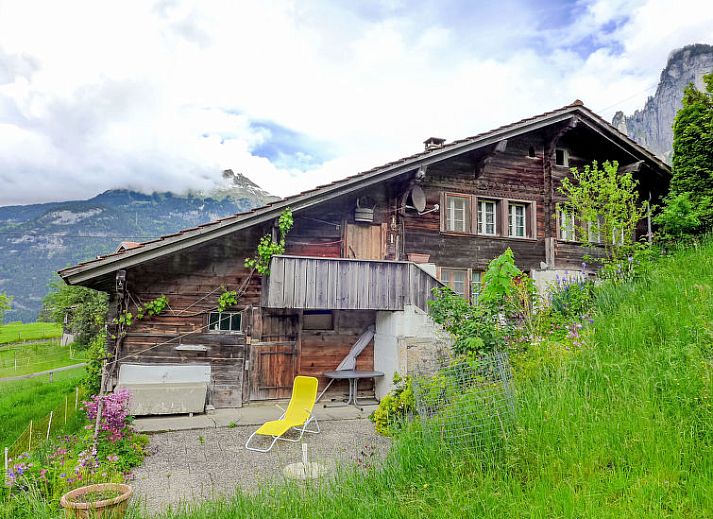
x: 622, y: 428
x: 25, y: 400
x: 21, y: 359
x: 17, y: 332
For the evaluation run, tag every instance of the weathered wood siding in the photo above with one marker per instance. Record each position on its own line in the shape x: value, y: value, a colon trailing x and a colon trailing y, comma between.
x: 191, y: 280
x: 321, y: 283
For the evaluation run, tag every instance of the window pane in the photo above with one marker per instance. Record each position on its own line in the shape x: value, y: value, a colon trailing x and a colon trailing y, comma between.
x: 475, y: 286
x: 457, y: 214
x: 225, y: 322
x: 235, y: 322
x: 213, y: 321
x: 486, y: 217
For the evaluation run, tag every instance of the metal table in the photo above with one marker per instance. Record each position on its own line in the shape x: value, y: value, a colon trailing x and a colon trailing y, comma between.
x: 352, y: 376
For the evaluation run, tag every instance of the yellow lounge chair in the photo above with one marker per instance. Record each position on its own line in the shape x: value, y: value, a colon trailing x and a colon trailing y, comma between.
x: 297, y: 416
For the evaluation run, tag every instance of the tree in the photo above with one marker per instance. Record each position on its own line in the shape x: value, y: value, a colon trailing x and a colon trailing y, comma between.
x: 689, y: 206
x: 5, y: 305
x: 83, y: 308
x: 605, y: 202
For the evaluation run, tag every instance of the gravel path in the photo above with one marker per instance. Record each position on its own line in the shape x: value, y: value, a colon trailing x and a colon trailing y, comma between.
x: 188, y: 466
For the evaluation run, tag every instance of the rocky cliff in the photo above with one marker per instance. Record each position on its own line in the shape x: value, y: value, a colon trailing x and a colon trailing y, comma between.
x: 36, y: 240
x: 652, y: 125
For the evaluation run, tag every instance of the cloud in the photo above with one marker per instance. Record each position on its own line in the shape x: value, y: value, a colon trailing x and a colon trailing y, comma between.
x: 166, y: 95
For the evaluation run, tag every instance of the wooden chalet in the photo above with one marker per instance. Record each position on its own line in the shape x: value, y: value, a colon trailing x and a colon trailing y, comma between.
x: 364, y: 251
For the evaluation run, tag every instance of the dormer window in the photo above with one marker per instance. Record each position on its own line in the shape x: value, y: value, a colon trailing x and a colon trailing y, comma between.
x: 561, y: 157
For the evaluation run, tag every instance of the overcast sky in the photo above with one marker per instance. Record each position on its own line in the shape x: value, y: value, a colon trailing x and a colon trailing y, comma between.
x: 164, y: 96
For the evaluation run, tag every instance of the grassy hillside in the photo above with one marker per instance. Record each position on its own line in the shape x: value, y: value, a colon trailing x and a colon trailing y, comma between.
x: 620, y: 428
x: 18, y: 332
x: 25, y: 400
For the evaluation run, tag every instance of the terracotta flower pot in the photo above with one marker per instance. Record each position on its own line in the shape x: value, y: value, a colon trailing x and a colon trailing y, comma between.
x: 114, y: 508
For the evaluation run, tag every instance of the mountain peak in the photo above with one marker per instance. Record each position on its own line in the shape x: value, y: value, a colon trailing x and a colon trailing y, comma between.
x: 652, y: 126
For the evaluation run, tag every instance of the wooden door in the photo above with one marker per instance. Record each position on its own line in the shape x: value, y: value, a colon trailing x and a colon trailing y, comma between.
x: 365, y: 241
x: 274, y: 368
x: 273, y: 358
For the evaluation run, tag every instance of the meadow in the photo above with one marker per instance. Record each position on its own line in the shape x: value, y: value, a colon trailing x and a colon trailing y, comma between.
x: 20, y: 359
x: 31, y: 399
x: 18, y: 332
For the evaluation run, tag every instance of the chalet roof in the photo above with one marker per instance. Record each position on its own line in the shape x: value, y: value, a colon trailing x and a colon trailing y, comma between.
x: 146, y: 251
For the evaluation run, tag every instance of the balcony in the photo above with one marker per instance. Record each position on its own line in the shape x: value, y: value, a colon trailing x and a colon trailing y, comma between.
x: 346, y: 284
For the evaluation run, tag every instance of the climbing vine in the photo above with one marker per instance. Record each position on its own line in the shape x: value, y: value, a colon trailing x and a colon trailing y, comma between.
x: 268, y: 247
x: 227, y: 299
x: 143, y: 311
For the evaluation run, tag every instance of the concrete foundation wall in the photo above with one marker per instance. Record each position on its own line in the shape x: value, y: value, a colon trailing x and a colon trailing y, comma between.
x: 407, y: 342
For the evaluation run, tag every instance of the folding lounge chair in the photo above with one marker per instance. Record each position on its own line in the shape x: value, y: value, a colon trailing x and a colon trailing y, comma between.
x: 298, y: 415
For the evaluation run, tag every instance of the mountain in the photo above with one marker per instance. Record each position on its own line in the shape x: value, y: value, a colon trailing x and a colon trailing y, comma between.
x: 652, y: 125
x: 36, y: 240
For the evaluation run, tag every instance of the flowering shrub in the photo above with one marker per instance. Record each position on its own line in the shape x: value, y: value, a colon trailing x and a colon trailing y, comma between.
x: 70, y: 461
x: 114, y: 412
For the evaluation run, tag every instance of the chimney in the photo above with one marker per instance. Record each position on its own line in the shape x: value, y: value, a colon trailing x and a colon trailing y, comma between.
x: 433, y: 143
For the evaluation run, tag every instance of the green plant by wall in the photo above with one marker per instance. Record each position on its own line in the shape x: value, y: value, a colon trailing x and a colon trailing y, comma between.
x: 143, y: 311
x: 395, y: 408
x: 227, y: 299
x: 96, y: 353
x: 506, y: 302
x: 267, y: 247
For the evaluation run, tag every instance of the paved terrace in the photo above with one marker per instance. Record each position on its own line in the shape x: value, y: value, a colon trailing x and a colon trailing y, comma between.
x: 204, y: 456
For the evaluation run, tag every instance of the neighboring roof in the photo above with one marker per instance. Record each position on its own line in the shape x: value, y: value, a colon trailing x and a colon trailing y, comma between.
x: 126, y: 245
x: 149, y: 250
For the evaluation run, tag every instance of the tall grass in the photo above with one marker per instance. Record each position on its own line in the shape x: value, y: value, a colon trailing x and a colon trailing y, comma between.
x: 621, y: 428
x: 25, y: 400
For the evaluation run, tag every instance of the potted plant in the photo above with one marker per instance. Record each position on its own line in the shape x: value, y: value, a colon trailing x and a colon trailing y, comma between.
x: 105, y: 501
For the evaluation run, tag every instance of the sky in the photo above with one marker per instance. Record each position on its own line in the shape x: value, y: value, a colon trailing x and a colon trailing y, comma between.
x: 163, y: 96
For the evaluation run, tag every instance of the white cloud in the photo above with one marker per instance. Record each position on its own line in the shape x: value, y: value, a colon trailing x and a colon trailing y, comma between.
x: 96, y: 95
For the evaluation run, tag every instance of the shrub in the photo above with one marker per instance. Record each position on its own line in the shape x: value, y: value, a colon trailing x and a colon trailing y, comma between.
x: 395, y: 408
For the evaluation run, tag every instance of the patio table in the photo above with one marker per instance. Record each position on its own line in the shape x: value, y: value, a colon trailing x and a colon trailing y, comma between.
x: 352, y: 376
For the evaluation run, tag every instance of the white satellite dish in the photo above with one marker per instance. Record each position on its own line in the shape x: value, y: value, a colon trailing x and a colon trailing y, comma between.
x: 418, y: 198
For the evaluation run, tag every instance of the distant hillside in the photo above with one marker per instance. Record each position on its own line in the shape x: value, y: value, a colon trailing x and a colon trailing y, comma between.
x: 37, y: 240
x: 652, y: 125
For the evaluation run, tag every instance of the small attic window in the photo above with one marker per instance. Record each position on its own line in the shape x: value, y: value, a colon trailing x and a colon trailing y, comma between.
x: 561, y: 157
x: 531, y: 152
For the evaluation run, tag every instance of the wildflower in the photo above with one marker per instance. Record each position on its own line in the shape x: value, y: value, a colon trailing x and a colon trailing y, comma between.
x: 112, y: 458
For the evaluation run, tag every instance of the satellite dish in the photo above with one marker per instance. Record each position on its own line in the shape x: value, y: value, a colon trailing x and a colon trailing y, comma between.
x: 418, y: 198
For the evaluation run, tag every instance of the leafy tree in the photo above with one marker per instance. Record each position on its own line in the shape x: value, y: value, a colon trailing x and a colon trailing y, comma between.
x: 689, y: 206
x: 84, y: 308
x: 605, y: 202
x: 5, y: 305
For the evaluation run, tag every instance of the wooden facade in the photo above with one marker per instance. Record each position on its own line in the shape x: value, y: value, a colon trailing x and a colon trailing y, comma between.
x: 342, y: 264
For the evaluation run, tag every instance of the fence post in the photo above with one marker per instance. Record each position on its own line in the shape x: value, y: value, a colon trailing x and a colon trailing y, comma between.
x: 76, y: 398
x: 29, y: 439
x: 66, y: 405
x: 15, y: 355
x: 49, y: 426
x: 7, y: 466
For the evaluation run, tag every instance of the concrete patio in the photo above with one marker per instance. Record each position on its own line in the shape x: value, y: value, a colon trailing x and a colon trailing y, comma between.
x: 202, y: 458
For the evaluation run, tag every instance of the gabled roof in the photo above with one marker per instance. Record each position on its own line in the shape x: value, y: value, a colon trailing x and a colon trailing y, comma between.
x: 168, y: 244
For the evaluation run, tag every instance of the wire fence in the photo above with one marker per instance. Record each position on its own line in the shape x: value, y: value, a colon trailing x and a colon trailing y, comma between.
x: 37, y: 357
x: 469, y: 404
x: 39, y: 431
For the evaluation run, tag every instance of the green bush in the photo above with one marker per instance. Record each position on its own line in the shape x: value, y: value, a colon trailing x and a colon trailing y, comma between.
x: 395, y: 408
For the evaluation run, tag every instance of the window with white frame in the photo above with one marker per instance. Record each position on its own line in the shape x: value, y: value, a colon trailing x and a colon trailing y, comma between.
x: 475, y: 286
x: 225, y: 321
x: 456, y: 280
x: 561, y: 157
x: 487, y: 217
x: 567, y: 225
x: 594, y: 231
x: 457, y: 213
x: 517, y: 226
